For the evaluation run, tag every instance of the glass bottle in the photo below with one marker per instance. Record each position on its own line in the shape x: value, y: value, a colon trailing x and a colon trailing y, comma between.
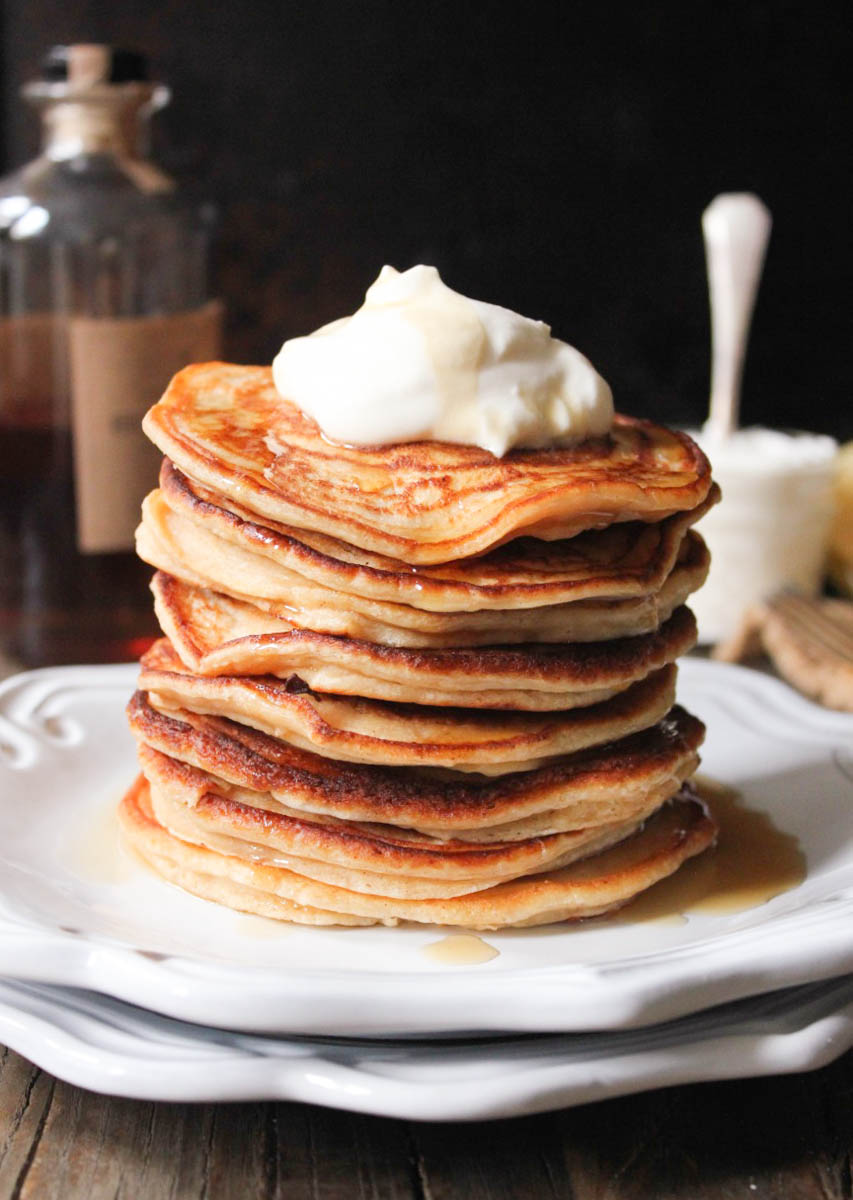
x: 104, y: 294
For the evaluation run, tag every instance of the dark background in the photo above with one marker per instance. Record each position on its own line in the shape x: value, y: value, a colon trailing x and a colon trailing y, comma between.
x: 552, y: 159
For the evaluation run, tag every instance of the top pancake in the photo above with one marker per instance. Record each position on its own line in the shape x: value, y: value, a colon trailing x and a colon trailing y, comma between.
x: 227, y: 428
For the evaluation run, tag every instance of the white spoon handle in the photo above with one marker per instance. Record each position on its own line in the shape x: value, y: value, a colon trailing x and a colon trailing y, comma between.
x: 736, y: 226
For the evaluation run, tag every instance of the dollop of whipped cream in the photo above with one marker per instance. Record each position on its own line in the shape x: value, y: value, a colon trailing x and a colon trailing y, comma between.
x: 420, y: 361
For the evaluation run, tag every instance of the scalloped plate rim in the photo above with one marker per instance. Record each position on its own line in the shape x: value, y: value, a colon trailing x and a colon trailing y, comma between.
x: 107, y: 1047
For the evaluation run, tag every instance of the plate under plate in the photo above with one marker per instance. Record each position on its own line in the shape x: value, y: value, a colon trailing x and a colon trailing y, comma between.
x: 107, y: 1046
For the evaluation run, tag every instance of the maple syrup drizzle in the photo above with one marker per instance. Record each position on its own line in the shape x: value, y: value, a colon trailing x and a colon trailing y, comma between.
x: 752, y: 862
x: 261, y: 928
x: 461, y: 950
x: 100, y: 854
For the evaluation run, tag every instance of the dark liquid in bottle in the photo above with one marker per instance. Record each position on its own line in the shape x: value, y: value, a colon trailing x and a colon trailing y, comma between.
x: 56, y: 604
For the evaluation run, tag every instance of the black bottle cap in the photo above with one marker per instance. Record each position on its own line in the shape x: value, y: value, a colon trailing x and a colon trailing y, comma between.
x: 92, y: 63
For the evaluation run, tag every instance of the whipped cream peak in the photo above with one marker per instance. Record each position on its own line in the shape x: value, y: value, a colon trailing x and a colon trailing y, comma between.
x: 420, y: 361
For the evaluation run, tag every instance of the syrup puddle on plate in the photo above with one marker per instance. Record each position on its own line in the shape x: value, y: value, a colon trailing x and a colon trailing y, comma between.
x: 461, y: 950
x: 249, y: 926
x: 752, y: 862
x: 99, y: 854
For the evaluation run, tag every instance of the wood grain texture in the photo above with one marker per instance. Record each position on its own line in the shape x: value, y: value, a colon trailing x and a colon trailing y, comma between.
x: 25, y: 1097
x: 784, y: 1138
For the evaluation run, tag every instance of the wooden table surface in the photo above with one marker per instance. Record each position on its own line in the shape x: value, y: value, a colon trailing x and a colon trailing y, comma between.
x: 788, y: 1137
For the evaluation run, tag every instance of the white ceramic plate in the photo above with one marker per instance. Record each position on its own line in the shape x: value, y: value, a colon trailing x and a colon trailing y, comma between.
x: 67, y: 916
x: 108, y: 1046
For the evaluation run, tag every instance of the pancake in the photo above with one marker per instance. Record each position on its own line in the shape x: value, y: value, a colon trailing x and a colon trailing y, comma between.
x: 622, y: 561
x: 188, y: 551
x: 604, y: 784
x: 215, y: 635
x: 354, y: 729
x: 227, y: 428
x: 586, y: 888
x: 157, y: 848
x: 379, y: 859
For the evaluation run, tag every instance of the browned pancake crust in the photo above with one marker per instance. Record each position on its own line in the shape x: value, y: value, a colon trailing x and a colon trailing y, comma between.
x: 202, y: 626
x: 227, y: 427
x: 380, y: 849
x: 151, y: 841
x: 405, y: 734
x: 594, y: 885
x: 399, y: 796
x: 193, y: 553
x: 624, y: 560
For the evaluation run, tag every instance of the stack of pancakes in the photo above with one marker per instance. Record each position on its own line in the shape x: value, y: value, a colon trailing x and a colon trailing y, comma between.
x: 413, y: 682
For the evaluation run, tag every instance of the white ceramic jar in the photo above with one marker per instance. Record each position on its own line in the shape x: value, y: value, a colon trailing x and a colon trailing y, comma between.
x: 770, y: 530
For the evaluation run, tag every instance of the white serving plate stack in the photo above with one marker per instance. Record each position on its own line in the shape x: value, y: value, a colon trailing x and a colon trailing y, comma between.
x: 118, y: 982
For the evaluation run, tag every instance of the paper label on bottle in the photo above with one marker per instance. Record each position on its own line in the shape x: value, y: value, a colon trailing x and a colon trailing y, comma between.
x: 119, y: 368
